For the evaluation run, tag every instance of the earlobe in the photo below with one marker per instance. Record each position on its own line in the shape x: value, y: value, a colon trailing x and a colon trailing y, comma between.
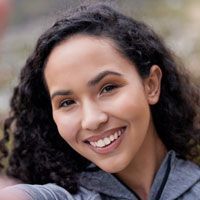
x: 152, y: 85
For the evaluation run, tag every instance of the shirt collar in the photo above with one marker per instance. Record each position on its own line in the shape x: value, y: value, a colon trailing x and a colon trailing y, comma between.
x: 105, y: 183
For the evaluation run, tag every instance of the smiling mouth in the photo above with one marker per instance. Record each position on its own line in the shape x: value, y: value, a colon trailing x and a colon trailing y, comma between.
x: 102, y: 145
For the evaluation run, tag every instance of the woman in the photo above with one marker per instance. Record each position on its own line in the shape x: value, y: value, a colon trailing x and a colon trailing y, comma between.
x: 103, y: 112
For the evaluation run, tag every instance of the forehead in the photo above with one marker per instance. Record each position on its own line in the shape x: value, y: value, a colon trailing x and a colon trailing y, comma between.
x: 82, y: 57
x: 84, y: 48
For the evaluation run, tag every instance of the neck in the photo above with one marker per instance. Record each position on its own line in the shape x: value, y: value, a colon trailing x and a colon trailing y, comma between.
x: 140, y: 173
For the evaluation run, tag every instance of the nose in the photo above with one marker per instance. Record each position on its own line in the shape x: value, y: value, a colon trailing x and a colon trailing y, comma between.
x: 93, y: 116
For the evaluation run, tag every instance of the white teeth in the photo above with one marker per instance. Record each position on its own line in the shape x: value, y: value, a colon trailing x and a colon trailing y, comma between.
x: 100, y: 143
x: 107, y: 140
x: 119, y: 133
x: 112, y: 138
x: 93, y: 144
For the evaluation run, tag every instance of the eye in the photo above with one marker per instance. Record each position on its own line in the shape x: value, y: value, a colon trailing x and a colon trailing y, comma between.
x: 108, y: 88
x: 66, y: 103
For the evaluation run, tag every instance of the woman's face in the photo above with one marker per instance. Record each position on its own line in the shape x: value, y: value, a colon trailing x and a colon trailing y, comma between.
x: 100, y: 104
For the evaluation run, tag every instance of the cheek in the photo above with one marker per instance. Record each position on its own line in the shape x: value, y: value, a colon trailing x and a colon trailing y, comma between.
x: 131, y: 105
x: 68, y: 125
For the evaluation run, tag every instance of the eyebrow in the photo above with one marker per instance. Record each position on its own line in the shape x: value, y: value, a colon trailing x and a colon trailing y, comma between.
x: 100, y: 76
x: 61, y: 93
x: 90, y: 83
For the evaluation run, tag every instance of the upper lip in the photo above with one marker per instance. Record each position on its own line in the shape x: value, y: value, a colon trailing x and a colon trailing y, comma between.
x: 103, y: 135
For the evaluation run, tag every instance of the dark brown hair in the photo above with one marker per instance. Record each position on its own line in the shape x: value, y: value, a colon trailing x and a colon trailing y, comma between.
x: 39, y: 154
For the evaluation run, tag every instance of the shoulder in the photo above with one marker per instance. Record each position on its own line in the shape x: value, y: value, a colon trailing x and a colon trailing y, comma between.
x: 192, y: 193
x: 183, y: 181
x: 49, y: 192
x: 186, y: 167
x: 192, y: 176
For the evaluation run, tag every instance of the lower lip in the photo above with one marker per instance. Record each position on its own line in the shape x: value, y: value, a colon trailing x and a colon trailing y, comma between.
x: 111, y: 147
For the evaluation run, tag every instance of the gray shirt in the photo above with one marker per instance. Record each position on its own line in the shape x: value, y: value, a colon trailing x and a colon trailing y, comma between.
x: 175, y: 179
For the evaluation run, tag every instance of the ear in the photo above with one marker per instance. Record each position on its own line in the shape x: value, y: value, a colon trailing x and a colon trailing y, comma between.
x: 152, y: 85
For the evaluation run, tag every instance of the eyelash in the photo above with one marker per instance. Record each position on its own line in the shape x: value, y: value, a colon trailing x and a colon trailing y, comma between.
x: 110, y: 88
x: 66, y: 101
x: 69, y: 102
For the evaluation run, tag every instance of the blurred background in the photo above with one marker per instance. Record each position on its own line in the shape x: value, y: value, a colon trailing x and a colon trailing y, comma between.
x: 177, y: 21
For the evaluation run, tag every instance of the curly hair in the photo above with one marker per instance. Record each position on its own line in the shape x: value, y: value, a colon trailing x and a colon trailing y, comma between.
x: 39, y: 154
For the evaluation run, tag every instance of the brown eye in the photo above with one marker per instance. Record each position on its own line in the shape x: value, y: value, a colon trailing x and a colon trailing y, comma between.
x: 108, y: 88
x: 66, y: 103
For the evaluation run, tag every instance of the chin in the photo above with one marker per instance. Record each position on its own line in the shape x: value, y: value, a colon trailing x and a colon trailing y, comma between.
x: 114, y: 167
